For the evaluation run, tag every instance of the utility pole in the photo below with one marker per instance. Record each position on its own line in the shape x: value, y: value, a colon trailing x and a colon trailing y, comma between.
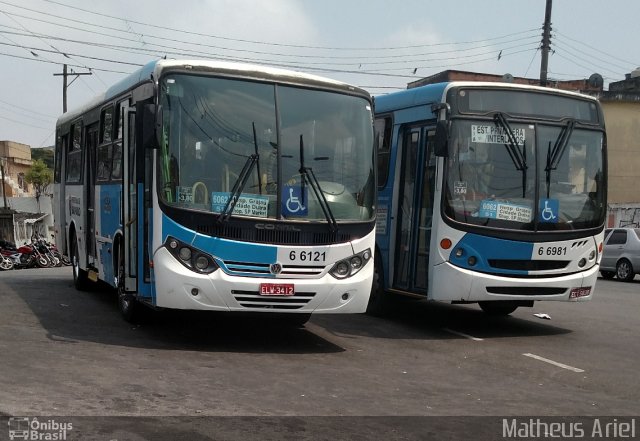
x: 546, y: 44
x: 64, y: 75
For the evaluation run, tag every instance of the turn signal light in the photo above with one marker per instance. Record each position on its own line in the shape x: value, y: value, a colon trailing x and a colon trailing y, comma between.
x: 446, y: 243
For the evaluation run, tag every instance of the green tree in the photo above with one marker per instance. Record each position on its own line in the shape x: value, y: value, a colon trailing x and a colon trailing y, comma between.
x: 40, y: 176
x: 45, y: 153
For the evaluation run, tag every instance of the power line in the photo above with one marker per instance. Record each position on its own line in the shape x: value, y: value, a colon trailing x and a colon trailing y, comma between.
x: 597, y: 50
x: 359, y: 59
x: 54, y: 62
x: 625, y: 68
x: 24, y: 124
x: 259, y: 42
x: 75, y: 55
x: 50, y: 45
x: 28, y: 110
x: 604, y: 68
x: 22, y: 113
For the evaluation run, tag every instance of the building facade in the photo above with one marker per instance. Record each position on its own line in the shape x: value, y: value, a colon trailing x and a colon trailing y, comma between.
x: 16, y: 159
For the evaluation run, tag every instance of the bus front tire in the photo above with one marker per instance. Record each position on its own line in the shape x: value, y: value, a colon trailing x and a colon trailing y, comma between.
x: 498, y: 308
x: 607, y: 274
x: 128, y: 305
x: 378, y: 299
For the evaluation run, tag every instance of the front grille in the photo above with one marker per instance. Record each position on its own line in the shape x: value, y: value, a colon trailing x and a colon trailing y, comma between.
x: 528, y: 265
x: 253, y: 299
x: 257, y: 269
x: 241, y: 268
x: 525, y: 290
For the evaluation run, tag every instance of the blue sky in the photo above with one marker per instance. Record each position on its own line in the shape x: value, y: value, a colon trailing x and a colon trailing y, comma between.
x: 374, y: 44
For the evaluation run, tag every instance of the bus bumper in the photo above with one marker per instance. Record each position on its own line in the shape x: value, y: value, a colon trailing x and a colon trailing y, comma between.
x: 452, y: 283
x: 177, y: 287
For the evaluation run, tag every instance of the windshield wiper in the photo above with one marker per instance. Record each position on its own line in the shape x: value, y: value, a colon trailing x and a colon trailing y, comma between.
x: 555, y: 154
x: 307, y: 174
x: 241, y: 181
x: 518, y: 157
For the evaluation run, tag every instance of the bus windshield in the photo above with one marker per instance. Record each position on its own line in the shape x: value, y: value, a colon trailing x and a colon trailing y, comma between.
x: 493, y: 178
x: 265, y: 142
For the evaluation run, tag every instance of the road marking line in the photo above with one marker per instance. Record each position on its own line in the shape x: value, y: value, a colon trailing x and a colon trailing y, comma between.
x: 555, y: 363
x: 470, y: 337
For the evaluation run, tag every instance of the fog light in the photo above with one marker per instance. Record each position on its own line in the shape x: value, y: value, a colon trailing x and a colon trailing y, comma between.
x: 582, y: 262
x: 202, y: 262
x: 194, y: 292
x: 345, y: 296
x: 185, y: 253
x: 459, y: 252
x: 592, y: 255
x: 472, y: 260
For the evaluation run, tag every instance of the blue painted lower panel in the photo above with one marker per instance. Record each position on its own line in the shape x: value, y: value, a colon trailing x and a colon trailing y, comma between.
x: 488, y: 248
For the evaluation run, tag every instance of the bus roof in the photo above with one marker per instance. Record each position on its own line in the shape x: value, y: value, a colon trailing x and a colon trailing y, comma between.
x: 434, y: 93
x: 152, y: 71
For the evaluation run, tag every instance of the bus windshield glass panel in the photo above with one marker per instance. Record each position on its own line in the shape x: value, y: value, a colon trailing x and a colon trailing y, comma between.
x: 492, y: 179
x: 221, y: 135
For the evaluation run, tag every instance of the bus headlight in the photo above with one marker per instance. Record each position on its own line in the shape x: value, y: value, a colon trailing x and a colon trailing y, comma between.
x: 351, y: 265
x: 193, y: 258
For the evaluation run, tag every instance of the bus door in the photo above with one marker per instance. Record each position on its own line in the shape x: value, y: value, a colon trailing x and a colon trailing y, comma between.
x: 130, y: 200
x: 91, y: 137
x: 415, y: 210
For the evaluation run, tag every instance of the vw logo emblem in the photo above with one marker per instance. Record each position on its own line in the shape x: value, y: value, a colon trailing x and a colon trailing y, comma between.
x: 275, y: 268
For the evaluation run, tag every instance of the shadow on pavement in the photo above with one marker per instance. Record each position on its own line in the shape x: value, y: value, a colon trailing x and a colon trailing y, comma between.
x: 419, y: 319
x: 70, y: 316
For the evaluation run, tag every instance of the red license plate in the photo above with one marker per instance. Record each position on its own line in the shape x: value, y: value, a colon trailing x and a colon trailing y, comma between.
x: 580, y: 292
x: 276, y: 289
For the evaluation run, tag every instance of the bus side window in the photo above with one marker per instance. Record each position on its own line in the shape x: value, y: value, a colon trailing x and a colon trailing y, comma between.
x: 116, y: 170
x: 103, y: 163
x: 74, y: 155
x: 383, y: 142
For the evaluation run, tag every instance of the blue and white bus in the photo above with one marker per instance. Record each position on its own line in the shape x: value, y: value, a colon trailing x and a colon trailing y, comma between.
x: 223, y: 187
x: 490, y: 193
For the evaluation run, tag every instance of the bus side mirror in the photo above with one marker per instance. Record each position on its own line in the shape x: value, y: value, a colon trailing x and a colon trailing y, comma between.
x: 150, y: 133
x: 441, y: 147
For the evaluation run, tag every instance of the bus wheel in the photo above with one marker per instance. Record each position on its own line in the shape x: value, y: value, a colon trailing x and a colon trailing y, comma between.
x: 80, y: 276
x: 129, y: 307
x: 498, y: 308
x: 607, y: 274
x: 379, y: 299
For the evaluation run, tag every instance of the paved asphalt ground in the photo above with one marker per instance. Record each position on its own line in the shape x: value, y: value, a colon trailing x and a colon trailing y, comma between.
x: 68, y: 354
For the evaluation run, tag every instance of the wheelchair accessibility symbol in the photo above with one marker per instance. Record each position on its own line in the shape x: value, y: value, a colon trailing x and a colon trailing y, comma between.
x: 549, y: 209
x: 294, y: 201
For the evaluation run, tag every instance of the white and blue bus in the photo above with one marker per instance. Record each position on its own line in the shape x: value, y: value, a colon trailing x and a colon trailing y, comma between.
x: 222, y: 187
x: 489, y: 193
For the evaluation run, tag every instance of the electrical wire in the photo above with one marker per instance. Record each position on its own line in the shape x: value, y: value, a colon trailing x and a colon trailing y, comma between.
x: 355, y: 59
x: 597, y: 50
x: 262, y: 42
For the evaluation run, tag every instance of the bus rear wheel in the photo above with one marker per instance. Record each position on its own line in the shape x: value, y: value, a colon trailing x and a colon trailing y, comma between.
x: 498, y: 308
x: 80, y: 276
